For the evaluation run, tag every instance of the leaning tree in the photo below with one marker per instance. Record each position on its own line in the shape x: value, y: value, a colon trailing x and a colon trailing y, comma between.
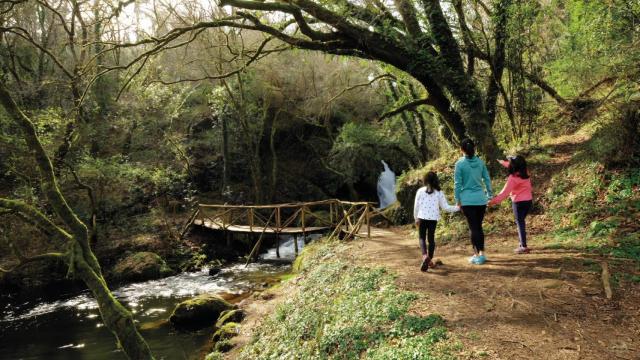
x: 73, y: 233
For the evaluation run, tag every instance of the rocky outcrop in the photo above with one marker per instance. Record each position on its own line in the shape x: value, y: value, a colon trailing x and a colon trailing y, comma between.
x: 140, y: 266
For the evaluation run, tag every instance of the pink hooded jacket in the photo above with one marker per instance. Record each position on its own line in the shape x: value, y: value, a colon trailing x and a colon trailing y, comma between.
x: 517, y: 188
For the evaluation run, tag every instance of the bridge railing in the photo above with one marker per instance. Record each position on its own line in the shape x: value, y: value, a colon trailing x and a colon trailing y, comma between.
x: 344, y: 219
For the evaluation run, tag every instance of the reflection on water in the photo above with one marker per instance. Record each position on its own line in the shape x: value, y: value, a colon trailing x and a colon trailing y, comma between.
x: 71, y: 328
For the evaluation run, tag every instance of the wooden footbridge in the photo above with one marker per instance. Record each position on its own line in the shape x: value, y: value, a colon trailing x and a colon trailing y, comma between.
x: 342, y: 219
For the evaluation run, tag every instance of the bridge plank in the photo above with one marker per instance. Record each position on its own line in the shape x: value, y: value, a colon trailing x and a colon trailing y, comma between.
x: 269, y: 230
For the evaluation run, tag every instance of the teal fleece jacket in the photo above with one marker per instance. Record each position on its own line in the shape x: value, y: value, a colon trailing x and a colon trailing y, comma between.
x: 469, y: 175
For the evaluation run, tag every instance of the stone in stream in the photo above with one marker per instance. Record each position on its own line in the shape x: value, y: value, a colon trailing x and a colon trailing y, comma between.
x: 199, y: 312
x: 141, y: 266
x: 226, y: 332
x: 227, y: 316
x: 223, y: 346
x: 221, y: 339
x: 214, y: 271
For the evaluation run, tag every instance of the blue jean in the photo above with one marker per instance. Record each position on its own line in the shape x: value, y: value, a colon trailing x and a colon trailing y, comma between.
x: 520, y: 211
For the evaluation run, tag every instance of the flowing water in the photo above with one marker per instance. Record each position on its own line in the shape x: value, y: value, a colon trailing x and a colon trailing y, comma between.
x: 70, y: 327
x: 386, y: 186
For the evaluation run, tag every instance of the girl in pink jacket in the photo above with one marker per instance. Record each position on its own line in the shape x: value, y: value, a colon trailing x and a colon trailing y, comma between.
x: 518, y: 187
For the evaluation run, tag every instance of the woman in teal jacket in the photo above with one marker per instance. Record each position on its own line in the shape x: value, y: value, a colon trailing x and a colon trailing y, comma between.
x: 472, y: 192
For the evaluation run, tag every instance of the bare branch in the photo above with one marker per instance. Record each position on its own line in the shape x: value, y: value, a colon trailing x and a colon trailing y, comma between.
x: 379, y: 77
x: 29, y: 259
x: 12, y: 4
x: 18, y: 31
x: 57, y: 13
x: 467, y: 36
x: 34, y: 216
x: 259, y: 54
x: 535, y: 79
x: 90, y: 195
x: 406, y: 107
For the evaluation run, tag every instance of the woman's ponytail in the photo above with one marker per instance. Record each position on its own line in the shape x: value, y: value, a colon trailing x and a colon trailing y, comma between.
x: 468, y: 147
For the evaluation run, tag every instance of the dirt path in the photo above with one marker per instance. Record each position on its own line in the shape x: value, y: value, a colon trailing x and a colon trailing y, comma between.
x: 544, y: 305
x: 549, y: 304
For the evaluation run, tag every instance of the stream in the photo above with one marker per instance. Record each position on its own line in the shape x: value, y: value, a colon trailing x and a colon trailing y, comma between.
x: 69, y: 327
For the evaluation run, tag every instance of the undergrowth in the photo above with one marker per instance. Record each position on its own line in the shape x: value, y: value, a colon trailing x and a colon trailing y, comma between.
x: 341, y: 311
x: 595, y: 205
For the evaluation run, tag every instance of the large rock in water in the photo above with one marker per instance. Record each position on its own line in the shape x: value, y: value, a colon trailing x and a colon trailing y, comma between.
x: 199, y: 312
x: 141, y: 266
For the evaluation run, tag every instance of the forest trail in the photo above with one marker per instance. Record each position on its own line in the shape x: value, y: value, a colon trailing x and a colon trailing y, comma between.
x: 549, y: 304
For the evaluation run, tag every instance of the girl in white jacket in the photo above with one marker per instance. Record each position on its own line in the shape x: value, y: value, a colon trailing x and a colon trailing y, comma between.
x: 426, y: 212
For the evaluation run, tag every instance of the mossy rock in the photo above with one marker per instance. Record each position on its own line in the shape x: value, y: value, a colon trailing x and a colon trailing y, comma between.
x: 227, y: 316
x: 226, y: 332
x: 199, y: 312
x: 216, y: 355
x: 224, y: 346
x: 141, y: 266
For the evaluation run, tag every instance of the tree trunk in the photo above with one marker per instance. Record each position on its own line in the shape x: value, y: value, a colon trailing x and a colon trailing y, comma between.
x: 274, y: 160
x: 81, y: 259
x: 115, y: 316
x: 225, y: 152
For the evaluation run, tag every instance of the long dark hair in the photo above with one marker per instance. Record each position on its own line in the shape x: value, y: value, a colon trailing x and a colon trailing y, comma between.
x: 431, y: 181
x: 468, y: 147
x: 518, y: 166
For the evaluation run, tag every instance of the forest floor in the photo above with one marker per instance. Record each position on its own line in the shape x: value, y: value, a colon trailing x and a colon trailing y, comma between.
x: 549, y: 304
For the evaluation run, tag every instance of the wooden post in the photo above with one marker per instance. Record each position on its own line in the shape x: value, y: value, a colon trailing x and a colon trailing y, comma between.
x: 224, y: 220
x: 331, y: 213
x: 295, y: 243
x: 346, y: 215
x: 190, y: 222
x: 250, y: 214
x: 356, y: 228
x: 338, y: 228
x: 278, y: 224
x: 304, y: 234
x: 256, y: 248
x: 368, y: 221
x: 224, y: 229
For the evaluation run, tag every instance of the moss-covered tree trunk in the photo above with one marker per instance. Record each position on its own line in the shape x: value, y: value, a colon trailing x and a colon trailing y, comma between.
x: 82, y: 262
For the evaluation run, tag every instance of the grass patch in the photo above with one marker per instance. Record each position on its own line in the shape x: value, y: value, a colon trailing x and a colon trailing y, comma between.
x: 344, y: 312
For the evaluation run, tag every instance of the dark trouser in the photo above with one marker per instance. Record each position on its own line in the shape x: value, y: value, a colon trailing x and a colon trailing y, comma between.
x: 475, y: 215
x: 520, y: 211
x: 427, y: 229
